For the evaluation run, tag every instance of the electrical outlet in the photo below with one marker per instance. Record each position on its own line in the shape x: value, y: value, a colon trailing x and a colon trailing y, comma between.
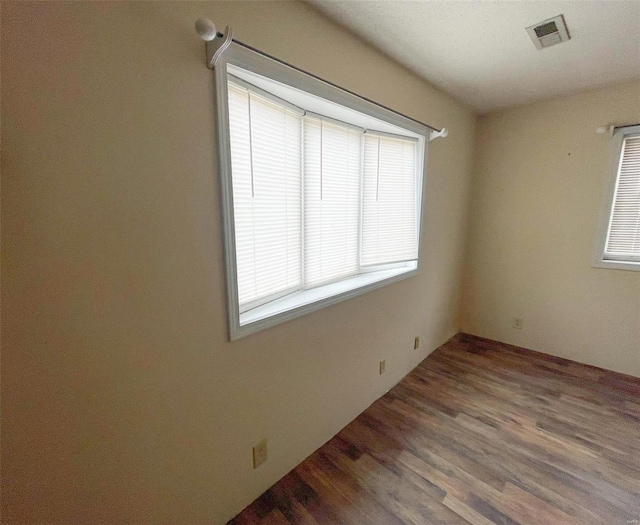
x: 416, y: 343
x: 260, y: 453
x: 517, y: 323
x: 383, y: 366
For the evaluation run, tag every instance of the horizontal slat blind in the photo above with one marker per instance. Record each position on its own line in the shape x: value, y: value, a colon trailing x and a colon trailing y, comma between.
x: 389, y: 228
x: 623, y: 241
x: 267, y: 185
x: 331, y: 200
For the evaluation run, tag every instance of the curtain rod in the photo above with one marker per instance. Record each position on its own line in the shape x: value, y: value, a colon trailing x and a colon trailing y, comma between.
x: 610, y: 129
x: 207, y: 31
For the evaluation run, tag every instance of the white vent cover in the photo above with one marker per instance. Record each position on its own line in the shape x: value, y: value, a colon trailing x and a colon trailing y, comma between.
x: 549, y: 33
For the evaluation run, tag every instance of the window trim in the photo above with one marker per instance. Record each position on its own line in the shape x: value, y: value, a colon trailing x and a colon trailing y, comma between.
x: 611, y: 183
x: 306, y: 301
x: 244, y: 58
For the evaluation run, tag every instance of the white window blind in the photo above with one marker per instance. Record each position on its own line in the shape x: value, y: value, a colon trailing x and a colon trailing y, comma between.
x: 389, y: 218
x: 332, y: 160
x: 623, y: 240
x: 266, y: 161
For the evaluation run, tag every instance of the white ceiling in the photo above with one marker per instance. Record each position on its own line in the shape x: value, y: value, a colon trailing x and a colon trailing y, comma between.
x: 479, y: 51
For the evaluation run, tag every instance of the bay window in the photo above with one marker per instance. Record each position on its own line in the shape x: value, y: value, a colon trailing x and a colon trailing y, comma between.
x: 322, y: 192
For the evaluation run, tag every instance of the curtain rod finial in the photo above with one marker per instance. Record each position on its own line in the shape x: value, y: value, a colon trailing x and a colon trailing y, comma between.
x: 435, y: 134
x: 602, y: 130
x: 206, y: 29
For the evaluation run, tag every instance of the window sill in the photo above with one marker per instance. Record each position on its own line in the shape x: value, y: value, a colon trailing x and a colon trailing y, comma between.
x: 617, y: 265
x: 303, y: 302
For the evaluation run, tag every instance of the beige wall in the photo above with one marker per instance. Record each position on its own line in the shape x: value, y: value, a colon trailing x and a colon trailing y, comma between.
x: 122, y: 400
x: 537, y: 194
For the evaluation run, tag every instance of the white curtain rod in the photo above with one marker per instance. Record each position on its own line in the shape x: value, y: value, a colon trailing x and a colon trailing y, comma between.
x: 217, y: 42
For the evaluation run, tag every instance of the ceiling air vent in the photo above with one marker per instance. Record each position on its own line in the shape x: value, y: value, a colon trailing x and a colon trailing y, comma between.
x: 549, y: 33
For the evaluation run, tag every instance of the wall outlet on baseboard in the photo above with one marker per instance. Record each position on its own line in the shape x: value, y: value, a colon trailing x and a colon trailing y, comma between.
x: 383, y: 366
x: 416, y: 343
x: 517, y: 323
x: 260, y: 453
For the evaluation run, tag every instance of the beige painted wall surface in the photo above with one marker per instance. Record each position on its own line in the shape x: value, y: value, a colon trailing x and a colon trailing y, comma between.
x: 122, y: 400
x: 537, y: 196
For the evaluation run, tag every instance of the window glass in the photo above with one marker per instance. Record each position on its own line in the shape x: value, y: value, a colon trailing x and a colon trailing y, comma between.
x: 389, y: 226
x: 266, y: 161
x: 332, y: 159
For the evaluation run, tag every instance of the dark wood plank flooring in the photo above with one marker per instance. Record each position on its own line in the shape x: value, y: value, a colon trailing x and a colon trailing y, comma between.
x: 480, y: 432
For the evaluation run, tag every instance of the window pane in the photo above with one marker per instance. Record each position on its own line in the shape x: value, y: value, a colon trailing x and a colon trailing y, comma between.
x: 331, y: 200
x: 623, y: 242
x: 389, y: 220
x: 266, y: 172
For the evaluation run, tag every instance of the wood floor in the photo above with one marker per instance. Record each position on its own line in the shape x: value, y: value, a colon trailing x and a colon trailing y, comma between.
x: 480, y: 432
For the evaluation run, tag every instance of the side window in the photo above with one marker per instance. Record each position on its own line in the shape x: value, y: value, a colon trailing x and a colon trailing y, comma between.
x: 619, y: 238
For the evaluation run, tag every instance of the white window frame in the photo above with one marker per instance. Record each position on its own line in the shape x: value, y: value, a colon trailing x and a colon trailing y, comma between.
x: 300, y: 303
x: 611, y: 183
